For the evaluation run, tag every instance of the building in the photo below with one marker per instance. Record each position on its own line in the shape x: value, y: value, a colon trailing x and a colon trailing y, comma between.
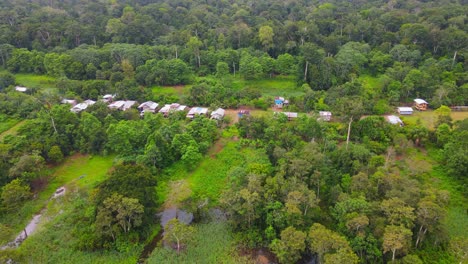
x: 122, y: 105
x: 291, y: 115
x: 405, y: 110
x: 394, y: 120
x: 420, y: 104
x: 325, y: 115
x: 21, y: 89
x: 108, y: 98
x: 280, y: 102
x: 69, y: 101
x: 243, y: 113
x: 171, y: 108
x: 148, y: 106
x: 82, y: 106
x: 218, y: 114
x: 197, y: 111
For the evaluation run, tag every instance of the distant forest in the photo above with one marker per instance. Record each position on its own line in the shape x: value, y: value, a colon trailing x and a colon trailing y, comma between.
x: 353, y: 189
x: 420, y: 46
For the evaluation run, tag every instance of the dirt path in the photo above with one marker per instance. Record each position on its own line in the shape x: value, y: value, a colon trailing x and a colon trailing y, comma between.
x: 33, y: 224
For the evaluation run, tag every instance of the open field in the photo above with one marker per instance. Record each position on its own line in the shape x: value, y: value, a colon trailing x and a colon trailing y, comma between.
x: 276, y: 86
x: 36, y: 81
x: 429, y: 118
x: 6, y: 123
x: 212, y: 243
x: 93, y: 168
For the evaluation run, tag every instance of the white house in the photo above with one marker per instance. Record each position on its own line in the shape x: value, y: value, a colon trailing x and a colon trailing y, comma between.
x: 21, y: 89
x: 197, y: 111
x: 122, y: 105
x: 325, y: 115
x: 148, y: 106
x: 170, y: 108
x: 218, y: 114
x: 68, y: 101
x: 394, y: 120
x: 82, y: 106
x: 405, y: 110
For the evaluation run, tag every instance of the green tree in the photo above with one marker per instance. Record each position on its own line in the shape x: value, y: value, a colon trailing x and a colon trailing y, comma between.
x: 288, y: 249
x: 178, y: 233
x: 6, y: 79
x: 266, y: 35
x: 327, y: 243
x: 119, y: 211
x: 14, y: 194
x: 55, y: 154
x: 396, y: 238
x: 194, y: 45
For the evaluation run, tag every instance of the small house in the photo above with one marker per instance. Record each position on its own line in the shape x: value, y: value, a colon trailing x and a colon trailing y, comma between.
x: 82, y: 106
x: 243, y: 113
x: 218, y: 114
x: 394, y: 120
x: 117, y: 105
x: 325, y: 115
x: 21, y: 89
x: 197, y: 111
x: 108, y: 98
x: 405, y: 110
x: 420, y: 104
x: 122, y: 105
x: 171, y: 108
x: 148, y: 106
x: 69, y: 101
x: 280, y: 102
x: 290, y: 115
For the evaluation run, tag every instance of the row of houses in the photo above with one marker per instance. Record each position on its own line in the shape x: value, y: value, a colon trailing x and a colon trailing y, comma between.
x: 146, y: 107
x: 419, y: 104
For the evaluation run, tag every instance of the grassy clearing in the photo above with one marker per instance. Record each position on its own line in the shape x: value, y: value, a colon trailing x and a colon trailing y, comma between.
x: 276, y: 86
x: 212, y: 243
x: 429, y: 118
x: 55, y: 239
x: 93, y: 167
x: 372, y: 84
x: 176, y: 91
x: 456, y: 220
x: 87, y: 171
x: 13, y: 130
x: 36, y: 81
x: 6, y: 123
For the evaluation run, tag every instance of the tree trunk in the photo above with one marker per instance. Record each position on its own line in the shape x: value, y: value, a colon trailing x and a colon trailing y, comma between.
x: 234, y: 67
x: 305, y: 72
x: 349, y: 132
x: 454, y: 57
x: 393, y: 255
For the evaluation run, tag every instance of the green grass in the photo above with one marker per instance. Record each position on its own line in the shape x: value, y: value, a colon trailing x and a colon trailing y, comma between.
x: 212, y: 243
x: 372, y: 84
x: 276, y: 86
x: 87, y: 171
x: 456, y: 220
x: 36, y: 81
x: 55, y: 238
x: 6, y: 123
x: 429, y: 118
x: 93, y: 167
x: 176, y: 91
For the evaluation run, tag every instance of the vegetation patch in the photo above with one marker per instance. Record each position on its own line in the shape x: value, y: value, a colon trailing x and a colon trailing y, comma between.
x: 6, y: 123
x: 212, y: 243
x: 30, y: 80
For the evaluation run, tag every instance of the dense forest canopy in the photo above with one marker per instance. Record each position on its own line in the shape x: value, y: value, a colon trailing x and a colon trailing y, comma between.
x: 354, y: 190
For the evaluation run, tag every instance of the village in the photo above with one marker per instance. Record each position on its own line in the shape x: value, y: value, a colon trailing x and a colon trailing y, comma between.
x: 278, y: 105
